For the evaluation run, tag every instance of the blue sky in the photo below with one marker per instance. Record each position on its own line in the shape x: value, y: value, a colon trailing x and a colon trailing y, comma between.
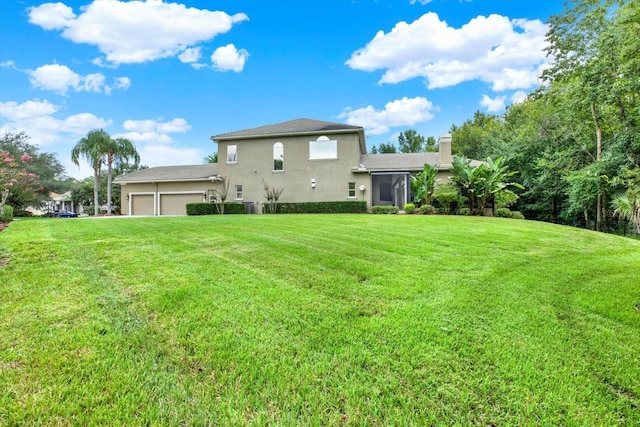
x: 169, y: 75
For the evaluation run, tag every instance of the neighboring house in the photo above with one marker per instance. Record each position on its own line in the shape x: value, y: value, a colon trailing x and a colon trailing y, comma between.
x: 311, y: 160
x: 60, y: 202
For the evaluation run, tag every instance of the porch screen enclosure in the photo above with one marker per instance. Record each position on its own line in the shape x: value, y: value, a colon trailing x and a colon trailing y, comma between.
x: 390, y: 188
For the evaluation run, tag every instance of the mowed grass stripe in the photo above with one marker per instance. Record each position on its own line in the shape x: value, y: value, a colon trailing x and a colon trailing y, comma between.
x: 351, y: 319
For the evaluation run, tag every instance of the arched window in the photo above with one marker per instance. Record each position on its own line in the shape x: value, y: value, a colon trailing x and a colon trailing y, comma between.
x: 323, y: 148
x: 278, y: 156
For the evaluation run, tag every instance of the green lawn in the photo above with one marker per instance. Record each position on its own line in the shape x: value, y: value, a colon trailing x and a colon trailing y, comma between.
x: 317, y: 320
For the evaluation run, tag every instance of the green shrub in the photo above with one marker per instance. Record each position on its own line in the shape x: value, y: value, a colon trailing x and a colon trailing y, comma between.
x: 502, y: 213
x: 464, y: 211
x: 426, y: 210
x: 7, y: 214
x: 21, y: 213
x: 352, y: 206
x: 409, y: 208
x: 384, y: 209
x: 507, y: 213
x: 517, y: 215
x: 211, y: 208
x: 447, y: 198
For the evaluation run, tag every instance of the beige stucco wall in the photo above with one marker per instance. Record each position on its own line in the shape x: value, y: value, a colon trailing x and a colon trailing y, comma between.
x: 255, y: 163
x: 163, y: 188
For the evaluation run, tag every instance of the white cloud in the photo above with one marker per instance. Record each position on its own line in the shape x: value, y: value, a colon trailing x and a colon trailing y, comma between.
x: 135, y: 31
x: 505, y: 53
x: 190, y: 55
x: 60, y: 79
x: 52, y: 16
x: 153, y: 131
x: 518, y: 97
x: 401, y: 112
x: 37, y: 118
x: 46, y: 127
x: 493, y: 104
x: 154, y: 144
x: 421, y: 1
x: 228, y: 58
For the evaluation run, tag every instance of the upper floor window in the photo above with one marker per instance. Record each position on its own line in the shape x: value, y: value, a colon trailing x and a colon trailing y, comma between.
x: 323, y: 148
x: 278, y: 156
x: 232, y: 154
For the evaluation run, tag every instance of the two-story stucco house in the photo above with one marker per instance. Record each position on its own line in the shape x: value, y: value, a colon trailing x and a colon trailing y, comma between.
x: 311, y: 160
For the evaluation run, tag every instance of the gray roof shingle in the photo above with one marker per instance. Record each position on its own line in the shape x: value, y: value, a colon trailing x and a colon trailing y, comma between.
x: 398, y: 161
x: 409, y: 162
x: 297, y: 126
x: 170, y: 174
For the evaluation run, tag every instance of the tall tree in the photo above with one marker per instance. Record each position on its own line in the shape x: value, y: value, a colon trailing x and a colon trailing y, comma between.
x: 473, y: 139
x: 595, y: 71
x: 431, y: 146
x: 387, y: 148
x: 117, y: 151
x: 411, y: 141
x: 92, y: 148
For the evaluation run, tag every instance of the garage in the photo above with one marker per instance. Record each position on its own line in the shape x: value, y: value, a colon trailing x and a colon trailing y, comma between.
x: 166, y: 190
x: 142, y: 204
x: 176, y: 204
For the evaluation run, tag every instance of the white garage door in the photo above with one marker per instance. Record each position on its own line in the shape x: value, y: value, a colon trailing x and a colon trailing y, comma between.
x: 142, y: 204
x: 176, y: 204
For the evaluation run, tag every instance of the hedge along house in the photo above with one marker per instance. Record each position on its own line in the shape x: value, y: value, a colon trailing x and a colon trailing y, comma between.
x: 166, y: 190
x: 310, y: 160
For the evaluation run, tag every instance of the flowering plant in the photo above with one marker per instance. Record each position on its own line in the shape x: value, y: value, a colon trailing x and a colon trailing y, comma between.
x: 15, y: 180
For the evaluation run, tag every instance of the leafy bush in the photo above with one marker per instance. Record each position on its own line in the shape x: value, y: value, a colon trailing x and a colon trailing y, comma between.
x: 507, y: 213
x: 384, y: 209
x: 211, y: 209
x: 323, y: 207
x: 7, y: 214
x: 447, y: 197
x: 21, y: 213
x: 464, y: 211
x: 426, y: 210
x: 502, y: 213
x: 517, y: 215
x: 409, y: 208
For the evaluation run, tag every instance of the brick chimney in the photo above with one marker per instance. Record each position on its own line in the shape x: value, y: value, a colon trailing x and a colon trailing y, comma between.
x: 444, y: 148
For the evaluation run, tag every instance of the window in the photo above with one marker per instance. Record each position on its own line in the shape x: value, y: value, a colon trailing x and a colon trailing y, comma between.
x: 278, y: 157
x: 232, y: 154
x: 352, y: 190
x: 238, y: 192
x: 323, y: 148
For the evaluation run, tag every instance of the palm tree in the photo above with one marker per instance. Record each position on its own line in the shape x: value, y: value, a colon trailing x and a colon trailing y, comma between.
x: 117, y: 151
x: 211, y: 158
x: 627, y: 206
x: 92, y: 148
